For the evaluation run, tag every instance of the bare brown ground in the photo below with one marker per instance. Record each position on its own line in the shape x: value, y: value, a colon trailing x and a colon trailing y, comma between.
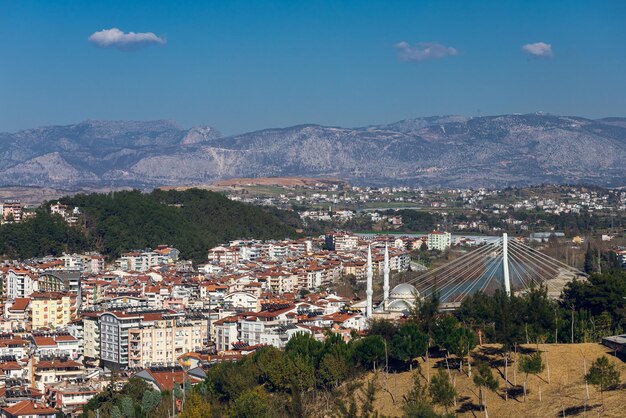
x: 562, y: 392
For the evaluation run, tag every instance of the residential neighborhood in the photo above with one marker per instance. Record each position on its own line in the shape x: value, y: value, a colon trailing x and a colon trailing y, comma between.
x: 69, y: 322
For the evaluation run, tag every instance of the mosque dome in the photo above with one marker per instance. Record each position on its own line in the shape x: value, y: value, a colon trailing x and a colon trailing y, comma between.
x: 400, y: 305
x: 404, y: 291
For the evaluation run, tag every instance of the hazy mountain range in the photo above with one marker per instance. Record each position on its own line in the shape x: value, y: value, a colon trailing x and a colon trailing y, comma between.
x: 491, y: 151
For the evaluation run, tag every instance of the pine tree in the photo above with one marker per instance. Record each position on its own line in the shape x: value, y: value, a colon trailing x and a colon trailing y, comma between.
x: 604, y: 375
x: 484, y: 379
x: 531, y: 364
x: 442, y: 391
x: 195, y: 407
x: 588, y: 266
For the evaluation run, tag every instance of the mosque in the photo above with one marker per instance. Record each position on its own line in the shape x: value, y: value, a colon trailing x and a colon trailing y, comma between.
x: 396, y: 303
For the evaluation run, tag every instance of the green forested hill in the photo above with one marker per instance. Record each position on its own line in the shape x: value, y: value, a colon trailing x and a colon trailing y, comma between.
x: 192, y: 221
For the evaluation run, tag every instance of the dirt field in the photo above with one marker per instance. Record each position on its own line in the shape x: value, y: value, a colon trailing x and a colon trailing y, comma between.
x: 276, y: 181
x: 562, y: 393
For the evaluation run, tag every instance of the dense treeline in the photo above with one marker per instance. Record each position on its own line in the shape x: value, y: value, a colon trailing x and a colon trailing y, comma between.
x: 136, y: 399
x: 41, y: 235
x: 587, y: 311
x: 192, y: 221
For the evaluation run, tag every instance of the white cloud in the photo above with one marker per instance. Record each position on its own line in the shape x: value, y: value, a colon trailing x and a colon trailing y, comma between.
x: 115, y: 38
x: 423, y: 51
x: 538, y: 49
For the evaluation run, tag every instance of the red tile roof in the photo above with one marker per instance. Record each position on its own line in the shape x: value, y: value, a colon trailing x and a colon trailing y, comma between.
x: 29, y: 408
x: 166, y: 379
x: 20, y: 304
x: 44, y: 341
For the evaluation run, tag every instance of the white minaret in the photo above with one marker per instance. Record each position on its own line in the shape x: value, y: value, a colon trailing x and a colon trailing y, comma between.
x: 370, y: 276
x: 386, y: 277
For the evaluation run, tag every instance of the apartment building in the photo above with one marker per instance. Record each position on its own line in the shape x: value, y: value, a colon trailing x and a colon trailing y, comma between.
x: 29, y: 409
x: 52, y: 309
x: 161, y: 339
x: 438, y: 240
x: 114, y: 327
x: 57, y: 345
x: 13, y: 346
x: 19, y: 284
x: 226, y: 332
x: 12, y: 210
x: 71, y: 398
x: 224, y: 255
x: 17, y: 310
x: 91, y: 333
x: 50, y: 371
x: 144, y: 261
x: 253, y: 325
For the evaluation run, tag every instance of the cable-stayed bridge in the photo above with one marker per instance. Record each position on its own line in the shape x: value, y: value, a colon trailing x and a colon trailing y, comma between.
x: 504, y: 263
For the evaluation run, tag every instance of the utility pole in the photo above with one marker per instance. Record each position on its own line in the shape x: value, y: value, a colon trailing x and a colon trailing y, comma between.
x: 173, y: 403
x: 572, y: 323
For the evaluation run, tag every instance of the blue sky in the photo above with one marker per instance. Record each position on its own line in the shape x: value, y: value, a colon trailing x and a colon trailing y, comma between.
x: 246, y: 65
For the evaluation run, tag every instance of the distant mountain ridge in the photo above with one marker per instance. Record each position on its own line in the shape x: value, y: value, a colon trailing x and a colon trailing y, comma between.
x: 448, y: 151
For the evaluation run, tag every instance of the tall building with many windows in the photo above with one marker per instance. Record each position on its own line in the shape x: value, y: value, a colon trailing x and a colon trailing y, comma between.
x: 439, y: 240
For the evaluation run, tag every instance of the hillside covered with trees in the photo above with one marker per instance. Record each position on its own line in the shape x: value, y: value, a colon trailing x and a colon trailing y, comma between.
x: 192, y: 220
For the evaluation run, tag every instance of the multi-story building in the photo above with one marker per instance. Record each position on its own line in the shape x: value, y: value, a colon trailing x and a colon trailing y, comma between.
x: 280, y: 280
x: 19, y: 283
x: 93, y: 263
x: 114, y: 327
x: 72, y: 261
x: 225, y: 255
x: 71, y: 398
x: 438, y: 240
x: 253, y: 325
x: 346, y: 242
x: 12, y: 210
x: 91, y: 333
x: 144, y: 261
x: 226, y: 332
x: 57, y: 345
x: 136, y: 339
x: 13, y: 346
x: 17, y: 310
x: 60, y: 281
x: 52, y: 309
x: 56, y: 370
x: 162, y: 339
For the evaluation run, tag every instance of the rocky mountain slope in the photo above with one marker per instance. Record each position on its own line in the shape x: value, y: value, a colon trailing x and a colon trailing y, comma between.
x: 451, y: 151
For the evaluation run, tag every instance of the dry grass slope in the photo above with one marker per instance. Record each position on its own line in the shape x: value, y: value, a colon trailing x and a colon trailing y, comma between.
x: 562, y: 393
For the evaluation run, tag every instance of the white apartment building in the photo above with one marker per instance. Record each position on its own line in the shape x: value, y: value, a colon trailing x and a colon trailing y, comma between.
x: 114, y: 327
x: 143, y: 261
x: 439, y: 240
x: 254, y: 325
x: 346, y: 242
x: 226, y: 332
x: 19, y: 284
